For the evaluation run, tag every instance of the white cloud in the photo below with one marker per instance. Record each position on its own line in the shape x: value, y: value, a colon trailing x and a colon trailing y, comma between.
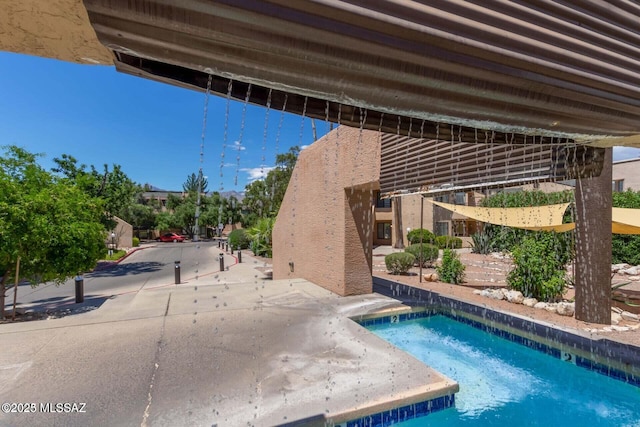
x: 237, y: 146
x: 302, y: 147
x: 256, y: 173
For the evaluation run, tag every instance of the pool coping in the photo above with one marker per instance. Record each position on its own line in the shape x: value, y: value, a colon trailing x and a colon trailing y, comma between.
x: 608, y: 357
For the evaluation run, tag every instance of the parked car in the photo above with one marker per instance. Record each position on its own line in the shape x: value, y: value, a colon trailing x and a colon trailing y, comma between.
x: 171, y: 237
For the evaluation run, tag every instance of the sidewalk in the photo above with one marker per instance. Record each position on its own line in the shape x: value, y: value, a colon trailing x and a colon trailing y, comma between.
x: 227, y: 349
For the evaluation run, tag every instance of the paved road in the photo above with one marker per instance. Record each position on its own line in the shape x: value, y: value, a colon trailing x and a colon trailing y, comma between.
x: 149, y: 267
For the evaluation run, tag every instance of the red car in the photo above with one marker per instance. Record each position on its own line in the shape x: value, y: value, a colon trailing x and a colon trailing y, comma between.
x: 170, y: 237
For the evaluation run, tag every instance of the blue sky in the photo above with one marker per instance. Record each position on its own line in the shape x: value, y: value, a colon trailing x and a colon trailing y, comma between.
x: 153, y: 130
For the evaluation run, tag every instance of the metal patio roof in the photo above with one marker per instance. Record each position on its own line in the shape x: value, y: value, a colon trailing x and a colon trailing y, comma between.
x: 570, y: 69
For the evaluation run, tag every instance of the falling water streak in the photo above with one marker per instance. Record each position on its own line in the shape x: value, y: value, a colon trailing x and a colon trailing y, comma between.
x: 304, y: 117
x: 225, y: 138
x: 242, y: 123
x: 204, y: 132
x: 284, y: 108
x: 422, y: 184
x: 363, y: 119
x: 295, y: 180
x: 406, y: 156
x: 326, y: 117
x: 265, y: 133
x: 396, y: 155
x: 436, y: 155
x: 460, y: 144
x: 451, y: 150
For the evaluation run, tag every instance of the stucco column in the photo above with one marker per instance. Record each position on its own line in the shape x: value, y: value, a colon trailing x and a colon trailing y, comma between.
x: 593, y: 245
x: 397, y: 223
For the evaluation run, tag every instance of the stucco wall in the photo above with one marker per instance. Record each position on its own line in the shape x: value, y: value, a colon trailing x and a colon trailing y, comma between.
x: 57, y: 29
x: 325, y: 224
x: 628, y: 170
x: 411, y: 215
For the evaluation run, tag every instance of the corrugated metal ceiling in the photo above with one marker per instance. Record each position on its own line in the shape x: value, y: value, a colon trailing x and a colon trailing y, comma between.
x: 565, y: 68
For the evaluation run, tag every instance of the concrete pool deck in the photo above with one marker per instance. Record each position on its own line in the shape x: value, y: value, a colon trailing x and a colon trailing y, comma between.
x: 234, y: 349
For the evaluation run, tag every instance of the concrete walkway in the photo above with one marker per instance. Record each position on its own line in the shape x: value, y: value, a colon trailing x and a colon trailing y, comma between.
x: 230, y: 349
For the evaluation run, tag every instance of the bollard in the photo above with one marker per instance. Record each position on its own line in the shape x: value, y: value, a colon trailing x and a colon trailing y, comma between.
x: 239, y: 257
x: 221, y: 262
x: 226, y: 247
x: 177, y: 272
x: 79, y: 289
x: 219, y: 243
x: 231, y: 249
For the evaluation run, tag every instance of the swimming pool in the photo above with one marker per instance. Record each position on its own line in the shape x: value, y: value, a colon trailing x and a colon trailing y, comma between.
x: 504, y: 383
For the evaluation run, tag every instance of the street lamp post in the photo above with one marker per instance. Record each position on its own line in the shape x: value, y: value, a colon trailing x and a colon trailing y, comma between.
x: 113, y: 243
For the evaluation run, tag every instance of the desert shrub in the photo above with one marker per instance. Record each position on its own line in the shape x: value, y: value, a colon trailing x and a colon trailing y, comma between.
x: 481, y: 243
x: 450, y: 242
x: 538, y: 269
x: 399, y: 262
x: 238, y: 239
x: 413, y: 236
x: 626, y: 247
x: 451, y: 270
x: 429, y: 253
x: 261, y: 237
x: 135, y: 242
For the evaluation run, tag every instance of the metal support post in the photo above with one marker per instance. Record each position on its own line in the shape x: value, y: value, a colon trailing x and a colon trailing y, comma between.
x: 239, y: 257
x: 79, y: 289
x: 177, y: 272
x: 221, y: 261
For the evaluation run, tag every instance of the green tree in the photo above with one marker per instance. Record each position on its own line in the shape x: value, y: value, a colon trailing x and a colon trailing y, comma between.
x: 257, y: 201
x: 264, y: 197
x: 191, y: 184
x: 49, y: 224
x: 113, y: 186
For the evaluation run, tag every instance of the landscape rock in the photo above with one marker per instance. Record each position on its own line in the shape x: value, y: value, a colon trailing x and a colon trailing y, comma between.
x: 615, y: 318
x: 552, y: 308
x: 530, y: 302
x: 617, y: 267
x: 540, y: 305
x: 620, y: 328
x: 632, y: 317
x: 432, y: 277
x: 477, y: 292
x: 634, y: 278
x: 515, y: 297
x: 631, y: 271
x: 566, y: 308
x: 496, y: 294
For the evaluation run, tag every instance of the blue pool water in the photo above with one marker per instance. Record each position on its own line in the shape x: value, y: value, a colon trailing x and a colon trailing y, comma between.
x: 504, y: 383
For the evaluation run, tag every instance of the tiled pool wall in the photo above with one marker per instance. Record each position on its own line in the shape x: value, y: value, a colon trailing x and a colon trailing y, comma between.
x: 614, y: 359
x: 403, y: 413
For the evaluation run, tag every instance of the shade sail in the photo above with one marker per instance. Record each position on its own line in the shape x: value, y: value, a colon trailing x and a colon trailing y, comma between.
x: 542, y: 218
x: 532, y: 218
x: 625, y: 221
